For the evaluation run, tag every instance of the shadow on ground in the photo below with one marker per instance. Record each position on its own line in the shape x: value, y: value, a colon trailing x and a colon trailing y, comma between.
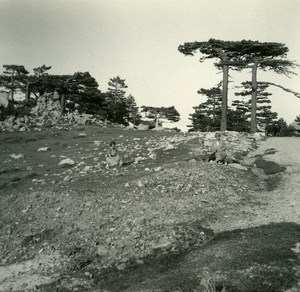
x: 254, y: 259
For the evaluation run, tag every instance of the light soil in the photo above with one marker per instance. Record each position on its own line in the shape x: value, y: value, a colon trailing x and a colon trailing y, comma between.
x: 279, y: 205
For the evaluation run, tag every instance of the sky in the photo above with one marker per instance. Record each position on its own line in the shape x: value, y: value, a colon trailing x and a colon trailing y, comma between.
x: 138, y: 40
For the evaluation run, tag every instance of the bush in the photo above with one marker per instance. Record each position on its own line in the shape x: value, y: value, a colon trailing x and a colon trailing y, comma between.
x: 17, y: 109
x: 10, y: 110
x: 289, y: 131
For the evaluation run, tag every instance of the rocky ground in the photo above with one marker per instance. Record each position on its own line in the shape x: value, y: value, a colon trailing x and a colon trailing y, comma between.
x: 78, y: 226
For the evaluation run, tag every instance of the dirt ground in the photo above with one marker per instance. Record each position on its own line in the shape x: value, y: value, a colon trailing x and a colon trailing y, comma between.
x: 281, y: 204
x: 172, y: 223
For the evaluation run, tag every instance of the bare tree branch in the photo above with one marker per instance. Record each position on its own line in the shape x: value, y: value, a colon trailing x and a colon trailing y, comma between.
x: 297, y: 94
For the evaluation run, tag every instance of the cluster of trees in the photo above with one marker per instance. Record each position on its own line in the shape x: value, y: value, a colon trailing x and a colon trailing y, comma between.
x: 207, y: 115
x: 78, y: 91
x: 239, y: 55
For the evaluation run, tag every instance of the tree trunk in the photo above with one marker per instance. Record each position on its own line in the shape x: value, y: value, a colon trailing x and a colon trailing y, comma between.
x: 254, y: 97
x: 62, y: 103
x: 156, y: 120
x: 214, y: 110
x: 27, y: 96
x: 224, y: 97
x: 12, y: 90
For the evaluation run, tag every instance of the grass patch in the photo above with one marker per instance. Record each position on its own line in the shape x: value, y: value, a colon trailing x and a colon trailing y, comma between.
x: 269, y: 167
x: 254, y: 259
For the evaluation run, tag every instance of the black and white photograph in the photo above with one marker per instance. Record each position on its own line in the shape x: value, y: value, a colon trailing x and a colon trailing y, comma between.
x: 149, y: 146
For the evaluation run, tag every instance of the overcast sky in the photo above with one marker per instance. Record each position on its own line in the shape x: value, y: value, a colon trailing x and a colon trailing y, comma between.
x: 138, y: 40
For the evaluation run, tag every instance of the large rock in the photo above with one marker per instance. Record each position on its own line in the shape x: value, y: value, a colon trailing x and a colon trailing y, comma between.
x: 143, y: 127
x: 67, y: 163
x: 4, y: 99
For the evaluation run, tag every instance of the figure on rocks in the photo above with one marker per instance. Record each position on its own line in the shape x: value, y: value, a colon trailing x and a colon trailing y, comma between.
x: 218, y: 149
x: 112, y: 157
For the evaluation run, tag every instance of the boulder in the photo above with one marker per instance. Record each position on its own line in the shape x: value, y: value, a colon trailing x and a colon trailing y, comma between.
x: 66, y: 163
x: 143, y: 127
x: 56, y: 95
x: 16, y: 127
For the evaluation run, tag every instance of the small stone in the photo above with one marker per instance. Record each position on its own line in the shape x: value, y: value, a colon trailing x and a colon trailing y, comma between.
x: 87, y: 168
x: 237, y: 166
x: 16, y: 156
x: 126, y: 185
x: 102, y: 251
x: 121, y: 267
x: 169, y: 147
x: 89, y: 275
x: 88, y: 204
x: 152, y: 156
x: 140, y: 184
x: 44, y: 149
x: 163, y: 243
x: 67, y: 178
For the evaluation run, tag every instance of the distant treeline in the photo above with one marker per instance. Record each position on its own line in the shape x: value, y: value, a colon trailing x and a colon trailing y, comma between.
x: 78, y: 91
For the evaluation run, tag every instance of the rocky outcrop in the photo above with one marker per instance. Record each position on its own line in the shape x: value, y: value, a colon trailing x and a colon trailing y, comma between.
x: 47, y: 113
x: 47, y: 110
x: 3, y: 99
